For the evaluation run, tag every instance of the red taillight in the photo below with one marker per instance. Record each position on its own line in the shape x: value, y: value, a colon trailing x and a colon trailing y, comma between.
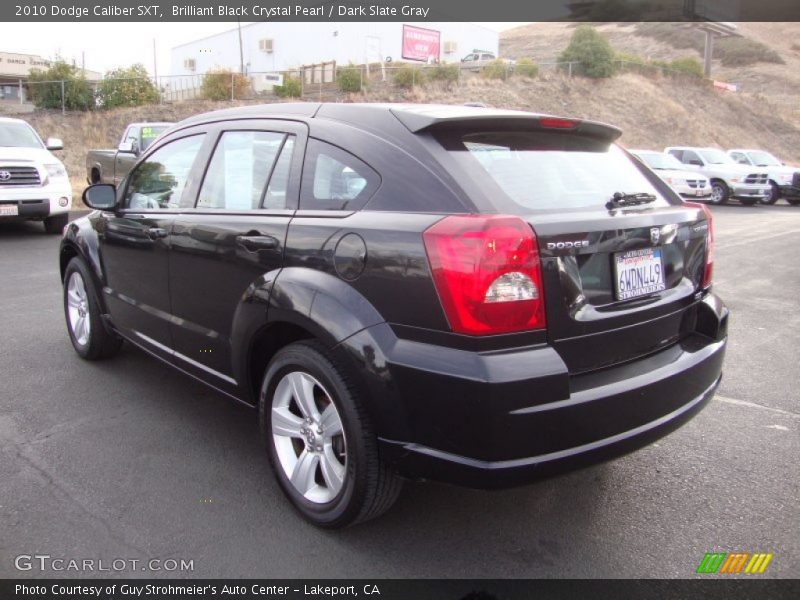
x: 486, y: 271
x: 709, y: 268
x: 556, y: 123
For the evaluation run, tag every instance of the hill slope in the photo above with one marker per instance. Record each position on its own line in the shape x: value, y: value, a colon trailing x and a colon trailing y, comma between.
x: 653, y: 113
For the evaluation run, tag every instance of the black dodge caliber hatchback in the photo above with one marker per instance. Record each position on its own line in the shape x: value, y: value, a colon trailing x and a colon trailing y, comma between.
x: 475, y: 296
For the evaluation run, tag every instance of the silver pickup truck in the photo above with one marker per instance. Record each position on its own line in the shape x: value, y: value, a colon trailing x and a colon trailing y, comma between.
x: 111, y: 166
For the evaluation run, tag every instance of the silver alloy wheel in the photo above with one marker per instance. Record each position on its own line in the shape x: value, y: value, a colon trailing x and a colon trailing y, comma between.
x: 308, y: 436
x: 78, y: 309
x: 717, y: 193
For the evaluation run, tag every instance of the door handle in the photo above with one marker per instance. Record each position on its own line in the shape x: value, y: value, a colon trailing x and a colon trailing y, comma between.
x: 155, y: 233
x: 254, y: 243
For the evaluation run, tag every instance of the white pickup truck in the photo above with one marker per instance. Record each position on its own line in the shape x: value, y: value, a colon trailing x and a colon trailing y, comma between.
x: 33, y: 183
x: 784, y: 181
x: 728, y: 179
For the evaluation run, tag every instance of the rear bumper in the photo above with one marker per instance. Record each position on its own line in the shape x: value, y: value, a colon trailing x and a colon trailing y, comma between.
x: 491, y: 427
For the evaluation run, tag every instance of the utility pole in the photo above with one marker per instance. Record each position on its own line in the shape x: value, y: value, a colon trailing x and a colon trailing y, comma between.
x: 241, y: 51
x: 155, y: 64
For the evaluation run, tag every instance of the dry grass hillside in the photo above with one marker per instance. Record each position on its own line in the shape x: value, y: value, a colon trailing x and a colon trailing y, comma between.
x: 652, y: 112
x: 544, y: 41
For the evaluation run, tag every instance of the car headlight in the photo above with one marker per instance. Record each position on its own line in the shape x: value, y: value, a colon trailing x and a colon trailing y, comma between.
x: 667, y: 180
x: 55, y: 170
x: 787, y: 177
x: 678, y: 181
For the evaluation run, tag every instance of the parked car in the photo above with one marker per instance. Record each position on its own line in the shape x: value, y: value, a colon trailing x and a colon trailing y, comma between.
x: 404, y: 291
x: 477, y: 59
x: 784, y: 181
x: 111, y: 166
x: 33, y: 183
x: 728, y: 179
x: 688, y: 184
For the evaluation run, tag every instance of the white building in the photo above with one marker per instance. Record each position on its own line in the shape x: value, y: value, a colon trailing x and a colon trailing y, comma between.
x: 278, y: 46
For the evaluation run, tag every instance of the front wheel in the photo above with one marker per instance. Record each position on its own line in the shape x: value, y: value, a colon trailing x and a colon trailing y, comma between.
x: 719, y: 193
x: 773, y: 195
x: 87, y: 332
x: 320, y: 441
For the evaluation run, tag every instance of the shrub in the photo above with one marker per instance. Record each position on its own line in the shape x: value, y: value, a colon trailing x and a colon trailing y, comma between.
x: 349, y: 79
x: 292, y: 88
x: 217, y: 85
x: 127, y: 87
x: 443, y: 72
x: 495, y: 69
x: 591, y: 51
x: 687, y: 66
x: 525, y: 67
x: 44, y: 87
x: 408, y: 76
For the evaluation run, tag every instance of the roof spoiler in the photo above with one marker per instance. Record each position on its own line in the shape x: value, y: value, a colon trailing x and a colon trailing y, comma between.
x: 418, y: 121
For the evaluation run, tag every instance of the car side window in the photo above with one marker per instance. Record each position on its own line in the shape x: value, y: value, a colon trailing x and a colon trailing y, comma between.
x: 335, y: 180
x: 677, y: 154
x: 239, y: 169
x: 278, y: 187
x: 691, y: 158
x: 739, y: 158
x: 158, y: 183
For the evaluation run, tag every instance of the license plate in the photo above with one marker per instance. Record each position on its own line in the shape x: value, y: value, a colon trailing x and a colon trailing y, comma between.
x: 700, y: 192
x: 638, y: 273
x: 9, y: 210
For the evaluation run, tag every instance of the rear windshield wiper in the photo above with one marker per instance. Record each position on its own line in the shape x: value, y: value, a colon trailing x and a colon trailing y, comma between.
x: 621, y: 199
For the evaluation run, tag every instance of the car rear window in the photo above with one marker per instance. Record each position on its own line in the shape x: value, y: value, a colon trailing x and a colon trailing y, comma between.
x: 541, y: 170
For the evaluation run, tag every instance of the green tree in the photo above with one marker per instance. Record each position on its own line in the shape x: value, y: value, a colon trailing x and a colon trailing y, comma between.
x: 44, y: 87
x: 291, y: 88
x: 591, y: 51
x: 223, y: 84
x: 127, y: 86
x: 525, y: 67
x: 407, y: 76
x: 349, y: 78
x: 687, y: 66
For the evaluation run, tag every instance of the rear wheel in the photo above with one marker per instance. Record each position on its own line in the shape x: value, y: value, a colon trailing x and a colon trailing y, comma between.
x: 56, y: 223
x: 320, y: 441
x: 87, y: 332
x: 773, y: 196
x: 719, y: 193
x: 793, y: 201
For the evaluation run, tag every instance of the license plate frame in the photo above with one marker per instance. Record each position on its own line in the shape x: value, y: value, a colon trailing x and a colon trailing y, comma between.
x: 9, y: 210
x: 638, y: 273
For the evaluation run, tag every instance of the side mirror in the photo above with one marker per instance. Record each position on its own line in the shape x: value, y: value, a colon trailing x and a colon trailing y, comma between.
x: 101, y: 196
x: 54, y: 144
x: 128, y: 147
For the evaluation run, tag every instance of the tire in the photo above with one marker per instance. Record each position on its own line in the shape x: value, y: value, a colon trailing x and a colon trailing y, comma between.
x: 774, y: 194
x: 81, y: 306
x: 720, y: 193
x: 793, y: 201
x: 312, y: 454
x: 56, y: 223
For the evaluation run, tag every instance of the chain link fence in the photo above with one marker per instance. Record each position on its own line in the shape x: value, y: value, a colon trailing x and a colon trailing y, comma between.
x: 323, y: 82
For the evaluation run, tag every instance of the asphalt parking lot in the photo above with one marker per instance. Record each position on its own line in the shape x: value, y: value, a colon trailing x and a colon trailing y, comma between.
x: 130, y: 459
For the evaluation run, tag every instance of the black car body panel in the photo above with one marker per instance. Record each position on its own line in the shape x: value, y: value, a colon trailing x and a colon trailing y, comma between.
x: 214, y: 292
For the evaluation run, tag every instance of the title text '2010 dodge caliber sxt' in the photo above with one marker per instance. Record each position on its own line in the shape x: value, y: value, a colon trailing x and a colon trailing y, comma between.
x: 476, y: 296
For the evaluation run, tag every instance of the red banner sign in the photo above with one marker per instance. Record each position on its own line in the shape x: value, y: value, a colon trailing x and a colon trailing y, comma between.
x: 420, y: 44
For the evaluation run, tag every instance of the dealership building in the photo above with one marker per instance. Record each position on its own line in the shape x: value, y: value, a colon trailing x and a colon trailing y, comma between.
x: 279, y: 46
